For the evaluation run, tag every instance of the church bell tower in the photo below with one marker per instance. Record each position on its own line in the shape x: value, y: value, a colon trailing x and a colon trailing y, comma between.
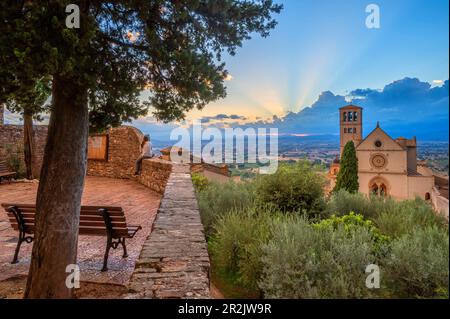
x: 350, y: 123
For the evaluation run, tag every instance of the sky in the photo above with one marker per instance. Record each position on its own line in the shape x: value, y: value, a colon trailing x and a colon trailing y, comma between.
x: 321, y: 55
x: 324, y: 45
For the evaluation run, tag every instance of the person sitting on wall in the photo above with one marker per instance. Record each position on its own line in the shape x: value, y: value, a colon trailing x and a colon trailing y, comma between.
x: 146, y: 147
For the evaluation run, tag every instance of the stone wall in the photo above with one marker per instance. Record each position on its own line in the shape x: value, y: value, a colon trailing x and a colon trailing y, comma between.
x: 440, y: 203
x: 11, y: 142
x: 155, y: 173
x: 174, y: 261
x: 123, y: 150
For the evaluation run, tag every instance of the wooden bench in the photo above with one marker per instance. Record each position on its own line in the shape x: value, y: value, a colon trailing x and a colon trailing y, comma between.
x: 94, y: 220
x: 5, y: 172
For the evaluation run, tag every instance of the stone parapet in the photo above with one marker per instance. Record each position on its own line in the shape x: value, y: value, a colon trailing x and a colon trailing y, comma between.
x: 155, y: 174
x: 174, y: 261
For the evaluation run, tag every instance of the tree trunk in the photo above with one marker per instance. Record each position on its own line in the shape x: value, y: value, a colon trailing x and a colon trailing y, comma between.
x: 28, y: 144
x: 59, y: 194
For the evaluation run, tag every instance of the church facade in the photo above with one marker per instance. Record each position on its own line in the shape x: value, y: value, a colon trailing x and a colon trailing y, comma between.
x: 386, y: 166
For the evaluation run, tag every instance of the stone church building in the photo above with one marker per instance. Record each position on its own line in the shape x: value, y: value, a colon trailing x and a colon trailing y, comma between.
x: 386, y: 166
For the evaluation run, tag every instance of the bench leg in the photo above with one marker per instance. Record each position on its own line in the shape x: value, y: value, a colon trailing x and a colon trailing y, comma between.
x: 105, y: 259
x: 125, y: 254
x: 16, y: 253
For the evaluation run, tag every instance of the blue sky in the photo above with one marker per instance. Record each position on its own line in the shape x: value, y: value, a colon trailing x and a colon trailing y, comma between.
x: 322, y: 45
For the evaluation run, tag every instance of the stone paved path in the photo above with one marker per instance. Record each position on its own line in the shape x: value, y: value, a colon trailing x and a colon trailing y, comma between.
x: 174, y: 261
x: 140, y: 205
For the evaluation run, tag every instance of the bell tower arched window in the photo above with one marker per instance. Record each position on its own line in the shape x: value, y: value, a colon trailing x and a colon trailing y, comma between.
x: 345, y: 117
x: 350, y: 116
x: 355, y: 116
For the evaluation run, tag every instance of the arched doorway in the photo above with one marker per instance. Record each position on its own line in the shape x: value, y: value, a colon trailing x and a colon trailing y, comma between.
x: 378, y: 186
x: 427, y: 196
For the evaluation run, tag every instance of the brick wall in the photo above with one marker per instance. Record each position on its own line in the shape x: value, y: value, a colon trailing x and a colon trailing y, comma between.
x: 123, y: 150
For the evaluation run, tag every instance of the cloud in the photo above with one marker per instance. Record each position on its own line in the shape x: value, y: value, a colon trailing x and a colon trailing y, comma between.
x: 438, y: 82
x: 406, y: 107
x: 222, y: 118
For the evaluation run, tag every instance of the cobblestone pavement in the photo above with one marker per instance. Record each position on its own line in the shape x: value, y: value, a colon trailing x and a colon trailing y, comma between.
x: 139, y: 203
x: 174, y: 261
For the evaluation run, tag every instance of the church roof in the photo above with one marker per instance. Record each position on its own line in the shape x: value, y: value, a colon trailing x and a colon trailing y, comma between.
x: 350, y: 106
x: 378, y: 128
x: 404, y: 142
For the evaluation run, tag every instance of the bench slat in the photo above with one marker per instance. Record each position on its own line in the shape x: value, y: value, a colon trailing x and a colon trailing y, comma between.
x: 86, y: 230
x: 85, y: 210
x: 82, y: 223
x: 114, y: 219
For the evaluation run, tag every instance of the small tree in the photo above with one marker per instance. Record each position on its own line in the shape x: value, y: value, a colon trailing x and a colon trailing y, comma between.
x: 347, y: 178
x: 29, y: 100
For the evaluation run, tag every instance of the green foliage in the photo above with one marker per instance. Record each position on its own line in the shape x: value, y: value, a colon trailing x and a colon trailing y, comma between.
x: 403, y: 217
x: 351, y: 223
x: 200, y: 182
x: 293, y: 188
x: 260, y: 250
x: 286, y: 256
x: 418, y: 266
x: 13, y: 158
x: 217, y: 200
x: 342, y: 202
x: 302, y: 261
x: 348, y: 172
x: 30, y: 98
x: 175, y: 52
x: 393, y: 218
x: 236, y: 246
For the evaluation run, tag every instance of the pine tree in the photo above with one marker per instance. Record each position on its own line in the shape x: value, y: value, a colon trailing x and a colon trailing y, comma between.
x: 173, y: 48
x: 347, y: 178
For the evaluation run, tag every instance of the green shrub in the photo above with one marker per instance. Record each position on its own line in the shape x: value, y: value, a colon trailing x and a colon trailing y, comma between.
x: 200, y: 182
x: 405, y: 216
x: 236, y: 246
x: 418, y: 265
x: 343, y: 202
x: 302, y: 261
x: 293, y: 188
x: 351, y: 223
x: 218, y: 199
